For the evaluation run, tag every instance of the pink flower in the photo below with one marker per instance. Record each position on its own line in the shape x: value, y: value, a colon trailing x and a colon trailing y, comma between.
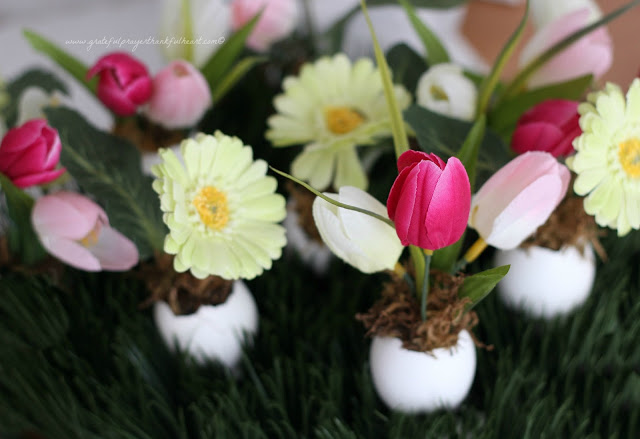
x: 76, y: 230
x: 30, y: 153
x: 550, y: 126
x: 277, y: 21
x: 180, y: 96
x: 124, y: 83
x: 430, y: 200
x: 518, y: 199
x: 592, y: 54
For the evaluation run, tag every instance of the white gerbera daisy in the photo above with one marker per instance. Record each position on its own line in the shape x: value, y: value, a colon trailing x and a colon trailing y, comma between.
x: 332, y: 107
x: 608, y: 157
x: 220, y: 207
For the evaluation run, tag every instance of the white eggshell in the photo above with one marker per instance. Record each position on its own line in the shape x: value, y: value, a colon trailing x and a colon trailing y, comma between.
x: 213, y: 332
x: 313, y: 253
x: 415, y: 382
x: 544, y: 282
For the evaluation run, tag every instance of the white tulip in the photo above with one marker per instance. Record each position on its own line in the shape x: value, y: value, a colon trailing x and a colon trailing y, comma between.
x: 444, y: 89
x: 360, y: 240
x: 211, y: 25
x: 543, y: 12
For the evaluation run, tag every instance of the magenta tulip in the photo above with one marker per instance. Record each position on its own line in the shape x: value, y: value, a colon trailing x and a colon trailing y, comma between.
x: 30, y: 153
x: 76, y: 230
x: 430, y: 200
x: 180, y: 96
x: 550, y: 126
x: 278, y: 20
x: 124, y: 83
x: 518, y: 199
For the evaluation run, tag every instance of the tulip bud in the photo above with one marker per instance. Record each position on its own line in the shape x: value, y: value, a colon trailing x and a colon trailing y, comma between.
x: 429, y: 201
x: 358, y: 239
x: 550, y: 126
x: 30, y: 153
x: 543, y: 12
x: 76, y: 230
x: 123, y: 84
x: 444, y: 89
x: 591, y: 54
x: 518, y: 199
x: 278, y: 20
x: 180, y: 96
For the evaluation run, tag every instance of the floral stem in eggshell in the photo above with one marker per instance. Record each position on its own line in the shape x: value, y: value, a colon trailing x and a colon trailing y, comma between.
x: 425, y: 285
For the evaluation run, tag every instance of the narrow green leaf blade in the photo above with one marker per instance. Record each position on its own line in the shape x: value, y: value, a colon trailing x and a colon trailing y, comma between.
x: 69, y: 63
x: 478, y: 286
x: 236, y: 74
x: 108, y: 167
x: 436, y: 53
x: 470, y: 149
x: 407, y: 66
x: 23, y: 241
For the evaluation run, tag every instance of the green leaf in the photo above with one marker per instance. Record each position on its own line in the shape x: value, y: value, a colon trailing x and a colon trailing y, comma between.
x: 187, y: 26
x: 445, y: 258
x: 478, y: 286
x: 23, y: 241
x: 407, y: 66
x: 32, y: 78
x: 69, y: 63
x: 468, y: 153
x: 504, y: 117
x: 217, y: 66
x: 108, y: 167
x: 436, y: 53
x: 236, y: 74
x: 400, y: 141
x: 491, y: 81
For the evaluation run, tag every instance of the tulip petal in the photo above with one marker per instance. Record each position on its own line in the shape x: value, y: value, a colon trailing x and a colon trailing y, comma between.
x: 536, y: 136
x: 17, y: 139
x: 39, y: 178
x: 330, y: 229
x: 71, y: 253
x: 54, y: 217
x: 114, y: 251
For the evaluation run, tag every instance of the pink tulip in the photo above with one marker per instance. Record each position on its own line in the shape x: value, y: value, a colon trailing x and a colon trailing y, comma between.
x: 76, y: 230
x: 180, y: 96
x: 30, y: 153
x: 124, y: 83
x: 518, y: 199
x: 278, y: 20
x: 550, y: 126
x: 592, y: 54
x: 429, y: 201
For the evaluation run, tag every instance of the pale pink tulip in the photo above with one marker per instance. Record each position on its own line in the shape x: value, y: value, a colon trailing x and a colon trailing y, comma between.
x: 518, y: 199
x: 180, y: 96
x: 592, y: 54
x: 76, y: 230
x: 278, y: 20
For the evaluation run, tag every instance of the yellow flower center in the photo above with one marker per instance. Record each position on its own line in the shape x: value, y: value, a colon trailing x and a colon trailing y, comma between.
x: 629, y: 155
x: 92, y: 237
x: 212, y: 207
x: 342, y: 120
x: 438, y: 93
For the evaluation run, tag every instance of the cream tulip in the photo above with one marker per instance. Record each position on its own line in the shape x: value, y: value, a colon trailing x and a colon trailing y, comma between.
x: 444, y: 89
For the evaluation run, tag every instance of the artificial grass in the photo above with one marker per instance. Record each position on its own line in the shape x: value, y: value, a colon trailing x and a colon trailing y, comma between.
x: 87, y: 363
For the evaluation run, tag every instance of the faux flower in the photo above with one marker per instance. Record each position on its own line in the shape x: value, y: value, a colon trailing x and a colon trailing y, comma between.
x: 180, y: 96
x: 278, y: 20
x: 608, y: 157
x: 124, y: 83
x: 591, y: 54
x: 29, y: 154
x: 331, y: 107
x: 210, y: 21
x: 220, y: 207
x: 444, y: 89
x: 76, y: 230
x: 550, y: 126
x: 358, y: 239
x: 518, y: 199
x: 543, y: 12
x: 429, y: 201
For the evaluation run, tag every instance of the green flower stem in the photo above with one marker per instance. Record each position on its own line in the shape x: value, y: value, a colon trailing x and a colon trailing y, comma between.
x: 187, y: 24
x: 417, y: 256
x: 334, y: 202
x: 425, y: 285
x: 520, y: 80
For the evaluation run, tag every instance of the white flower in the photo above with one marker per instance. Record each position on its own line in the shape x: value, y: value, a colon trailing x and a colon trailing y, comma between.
x: 365, y: 242
x: 444, y: 89
x: 543, y: 12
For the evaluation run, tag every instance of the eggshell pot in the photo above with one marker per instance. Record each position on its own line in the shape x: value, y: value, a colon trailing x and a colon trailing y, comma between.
x: 213, y: 332
x: 419, y: 382
x: 546, y: 283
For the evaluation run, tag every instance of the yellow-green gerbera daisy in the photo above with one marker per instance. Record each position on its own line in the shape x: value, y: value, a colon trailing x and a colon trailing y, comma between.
x: 220, y: 207
x: 332, y: 107
x: 608, y: 157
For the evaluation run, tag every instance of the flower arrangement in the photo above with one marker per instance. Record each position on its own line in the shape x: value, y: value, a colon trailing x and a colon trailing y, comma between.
x: 412, y: 179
